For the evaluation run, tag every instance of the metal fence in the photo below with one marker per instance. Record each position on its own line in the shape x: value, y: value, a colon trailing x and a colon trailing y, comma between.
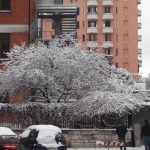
x: 74, y: 122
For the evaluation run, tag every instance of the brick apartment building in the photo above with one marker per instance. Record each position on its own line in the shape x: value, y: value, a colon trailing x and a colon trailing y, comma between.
x: 16, y: 23
x: 111, y: 26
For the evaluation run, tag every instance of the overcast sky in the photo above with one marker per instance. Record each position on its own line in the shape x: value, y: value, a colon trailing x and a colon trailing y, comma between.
x: 145, y: 32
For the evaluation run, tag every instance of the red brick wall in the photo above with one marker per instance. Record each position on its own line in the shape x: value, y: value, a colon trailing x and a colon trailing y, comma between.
x: 18, y: 38
x: 19, y: 13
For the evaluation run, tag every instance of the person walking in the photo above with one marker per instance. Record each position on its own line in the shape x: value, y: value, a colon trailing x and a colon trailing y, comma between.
x: 145, y: 135
x: 121, y: 131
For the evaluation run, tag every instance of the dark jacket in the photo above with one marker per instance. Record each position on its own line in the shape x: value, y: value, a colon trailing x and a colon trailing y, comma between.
x: 145, y: 130
x: 121, y: 131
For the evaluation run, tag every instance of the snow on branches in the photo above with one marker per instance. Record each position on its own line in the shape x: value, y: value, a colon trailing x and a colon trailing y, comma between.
x: 61, y: 71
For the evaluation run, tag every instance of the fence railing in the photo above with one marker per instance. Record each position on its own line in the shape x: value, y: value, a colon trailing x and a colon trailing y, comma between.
x: 74, y: 122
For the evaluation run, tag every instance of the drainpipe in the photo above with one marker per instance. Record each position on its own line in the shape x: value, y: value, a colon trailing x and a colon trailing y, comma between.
x: 29, y: 22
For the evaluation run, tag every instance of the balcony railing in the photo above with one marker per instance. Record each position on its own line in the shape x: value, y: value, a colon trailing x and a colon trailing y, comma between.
x: 139, y: 25
x: 107, y: 16
x: 92, y: 3
x: 139, y: 1
x: 139, y: 51
x: 92, y: 30
x: 108, y: 44
x: 139, y: 13
x: 139, y: 38
x: 58, y: 8
x: 93, y: 44
x: 93, y: 16
x: 107, y: 2
x: 107, y: 30
x: 140, y: 62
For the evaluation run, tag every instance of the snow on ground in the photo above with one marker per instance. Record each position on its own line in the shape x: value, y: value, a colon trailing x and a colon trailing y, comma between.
x: 128, y: 148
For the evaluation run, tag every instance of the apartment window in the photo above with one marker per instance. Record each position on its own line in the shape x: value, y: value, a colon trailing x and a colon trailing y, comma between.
x: 117, y: 65
x: 92, y: 37
x: 92, y: 10
x: 58, y: 1
x: 4, y: 44
x: 107, y: 51
x: 83, y: 37
x: 107, y: 23
x: 116, y: 37
x: 4, y: 4
x: 92, y: 24
x: 125, y: 10
x: 116, y: 51
x: 108, y: 37
x: 78, y: 11
x: 125, y: 52
x: 116, y: 10
x: 107, y: 9
x: 125, y: 23
x: 126, y: 65
x: 125, y: 37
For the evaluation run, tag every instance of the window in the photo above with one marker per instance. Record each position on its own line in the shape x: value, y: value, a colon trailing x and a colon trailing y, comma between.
x: 116, y: 10
x: 92, y: 10
x: 83, y: 37
x: 116, y: 65
x: 4, y: 44
x: 107, y: 23
x: 125, y: 10
x: 92, y: 37
x: 116, y: 51
x: 107, y: 9
x: 108, y: 37
x: 125, y: 37
x: 126, y: 65
x: 92, y: 24
x: 58, y: 1
x: 125, y: 52
x: 107, y: 51
x: 78, y: 11
x: 4, y: 4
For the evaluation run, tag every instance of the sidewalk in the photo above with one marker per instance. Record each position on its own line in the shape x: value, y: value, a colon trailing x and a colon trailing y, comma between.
x: 128, y: 148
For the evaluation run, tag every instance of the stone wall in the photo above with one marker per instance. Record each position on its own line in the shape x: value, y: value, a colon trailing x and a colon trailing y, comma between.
x: 88, y: 137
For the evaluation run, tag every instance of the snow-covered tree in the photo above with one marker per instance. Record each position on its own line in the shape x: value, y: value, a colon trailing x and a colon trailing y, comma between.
x: 62, y: 71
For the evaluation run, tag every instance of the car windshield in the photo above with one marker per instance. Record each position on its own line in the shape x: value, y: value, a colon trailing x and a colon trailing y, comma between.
x: 8, y: 139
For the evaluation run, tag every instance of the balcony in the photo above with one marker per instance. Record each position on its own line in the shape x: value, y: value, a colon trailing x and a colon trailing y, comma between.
x: 108, y: 44
x: 92, y: 30
x: 93, y: 44
x: 139, y: 13
x: 139, y: 51
x: 140, y: 62
x: 107, y: 2
x: 107, y: 16
x: 62, y: 9
x: 139, y: 25
x: 107, y: 30
x: 92, y: 16
x: 92, y: 3
x: 139, y: 1
x: 139, y: 38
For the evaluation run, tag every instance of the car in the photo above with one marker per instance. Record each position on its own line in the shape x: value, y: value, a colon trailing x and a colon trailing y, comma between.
x: 42, y: 137
x: 8, y: 139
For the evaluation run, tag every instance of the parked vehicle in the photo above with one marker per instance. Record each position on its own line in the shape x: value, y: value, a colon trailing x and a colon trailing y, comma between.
x: 42, y: 137
x: 8, y: 139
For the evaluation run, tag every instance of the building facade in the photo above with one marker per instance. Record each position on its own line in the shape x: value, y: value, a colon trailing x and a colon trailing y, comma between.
x: 110, y: 26
x: 107, y: 26
x: 16, y: 23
